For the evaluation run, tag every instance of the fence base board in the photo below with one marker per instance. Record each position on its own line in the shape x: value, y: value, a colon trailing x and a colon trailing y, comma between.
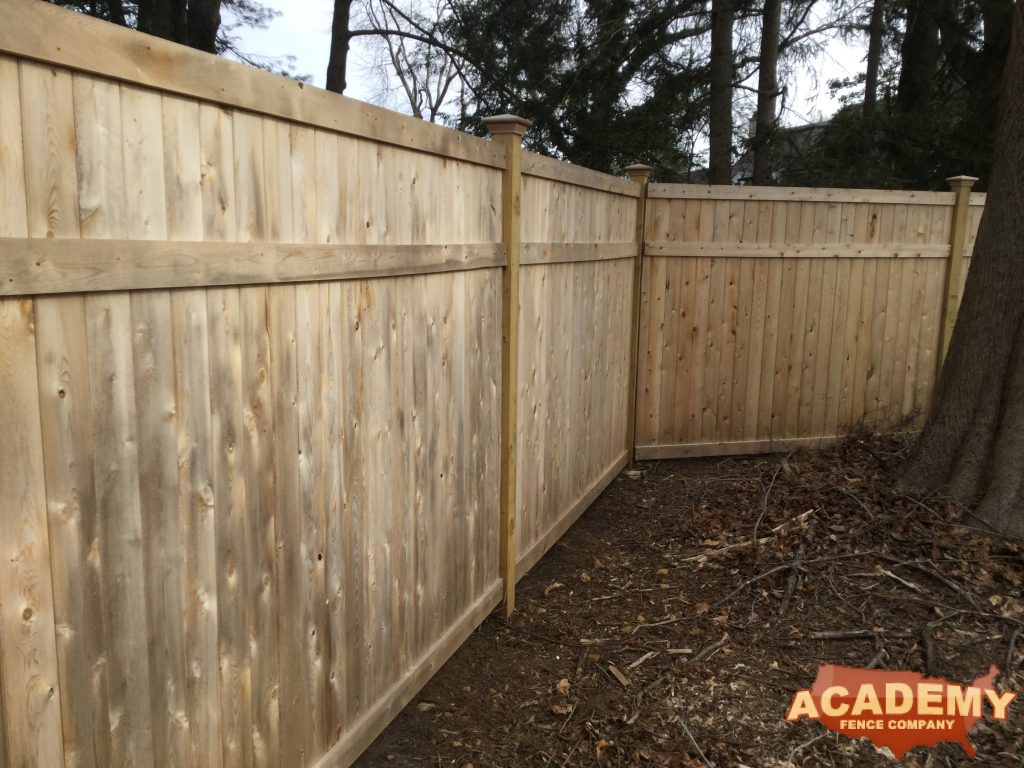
x: 362, y: 732
x: 530, y: 557
x: 740, y: 448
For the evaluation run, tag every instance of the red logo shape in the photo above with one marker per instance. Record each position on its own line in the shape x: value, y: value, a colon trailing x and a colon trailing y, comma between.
x: 898, y: 709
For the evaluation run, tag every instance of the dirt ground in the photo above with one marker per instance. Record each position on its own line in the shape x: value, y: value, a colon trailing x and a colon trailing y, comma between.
x: 674, y: 622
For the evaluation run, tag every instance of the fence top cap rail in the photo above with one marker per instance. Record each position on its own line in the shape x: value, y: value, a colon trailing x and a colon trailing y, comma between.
x: 799, y: 194
x: 544, y: 167
x: 43, y: 32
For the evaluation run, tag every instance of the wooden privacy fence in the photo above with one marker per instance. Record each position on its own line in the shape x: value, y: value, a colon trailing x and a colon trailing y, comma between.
x: 294, y: 389
x: 259, y: 385
x: 776, y: 317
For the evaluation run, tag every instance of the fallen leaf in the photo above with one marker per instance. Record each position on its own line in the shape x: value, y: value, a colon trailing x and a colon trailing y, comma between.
x: 562, y: 687
x: 562, y: 709
x: 552, y: 587
x: 701, y: 608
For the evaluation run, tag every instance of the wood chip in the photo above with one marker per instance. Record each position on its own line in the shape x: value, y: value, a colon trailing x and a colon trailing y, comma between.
x: 646, y: 657
x: 617, y: 673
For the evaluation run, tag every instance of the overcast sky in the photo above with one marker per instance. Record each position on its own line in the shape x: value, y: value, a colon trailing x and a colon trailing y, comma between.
x: 303, y: 31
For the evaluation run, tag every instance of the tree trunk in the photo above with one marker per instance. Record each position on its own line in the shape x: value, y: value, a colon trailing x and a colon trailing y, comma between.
x: 155, y: 18
x: 973, y: 441
x: 875, y: 32
x: 115, y: 12
x: 919, y: 55
x: 203, y: 24
x: 767, y: 90
x: 163, y: 18
x: 337, y: 64
x: 722, y: 66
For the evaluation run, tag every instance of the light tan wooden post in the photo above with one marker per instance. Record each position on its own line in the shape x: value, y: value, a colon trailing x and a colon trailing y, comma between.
x: 508, y: 130
x: 961, y: 186
x: 640, y: 174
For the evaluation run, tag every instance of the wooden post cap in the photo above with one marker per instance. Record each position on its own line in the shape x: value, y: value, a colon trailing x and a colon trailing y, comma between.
x: 639, y: 171
x: 961, y: 181
x: 499, y: 124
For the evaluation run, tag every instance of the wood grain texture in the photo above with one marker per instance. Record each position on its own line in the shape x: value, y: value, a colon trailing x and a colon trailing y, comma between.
x: 43, y: 32
x: 512, y: 187
x: 575, y: 321
x: 796, y: 250
x: 798, y: 194
x: 46, y: 266
x: 543, y: 167
x: 787, y: 315
x: 31, y: 692
x: 561, y: 253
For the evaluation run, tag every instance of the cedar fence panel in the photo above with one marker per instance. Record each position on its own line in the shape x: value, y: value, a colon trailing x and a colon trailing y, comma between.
x: 250, y: 495
x: 579, y: 247
x: 775, y: 318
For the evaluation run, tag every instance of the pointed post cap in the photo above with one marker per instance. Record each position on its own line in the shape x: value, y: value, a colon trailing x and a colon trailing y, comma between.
x: 961, y: 181
x: 499, y: 124
x: 639, y: 171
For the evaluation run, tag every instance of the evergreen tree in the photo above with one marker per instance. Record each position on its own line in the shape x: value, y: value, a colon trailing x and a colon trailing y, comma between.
x: 606, y: 82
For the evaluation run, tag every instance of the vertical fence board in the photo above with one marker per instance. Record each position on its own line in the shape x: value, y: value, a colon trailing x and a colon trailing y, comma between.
x: 65, y: 413
x: 31, y: 694
x: 153, y: 355
x: 38, y: 193
x: 787, y: 342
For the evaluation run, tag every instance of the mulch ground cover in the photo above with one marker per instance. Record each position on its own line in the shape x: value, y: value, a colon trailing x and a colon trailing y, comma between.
x: 672, y: 625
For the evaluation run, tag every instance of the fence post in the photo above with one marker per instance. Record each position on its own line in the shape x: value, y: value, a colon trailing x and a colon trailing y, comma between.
x: 961, y: 186
x: 640, y: 174
x: 508, y: 131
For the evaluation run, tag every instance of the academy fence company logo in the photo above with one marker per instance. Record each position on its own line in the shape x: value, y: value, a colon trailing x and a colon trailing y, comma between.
x: 898, y: 710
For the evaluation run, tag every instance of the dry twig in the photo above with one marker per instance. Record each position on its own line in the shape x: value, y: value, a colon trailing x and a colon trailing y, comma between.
x: 857, y: 634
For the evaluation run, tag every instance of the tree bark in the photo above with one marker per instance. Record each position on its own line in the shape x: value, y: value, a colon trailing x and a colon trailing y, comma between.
x: 337, y: 64
x: 919, y: 54
x: 155, y: 18
x: 722, y: 71
x: 973, y: 442
x: 203, y: 24
x: 876, y: 30
x: 767, y: 91
x: 164, y: 18
x: 115, y: 12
